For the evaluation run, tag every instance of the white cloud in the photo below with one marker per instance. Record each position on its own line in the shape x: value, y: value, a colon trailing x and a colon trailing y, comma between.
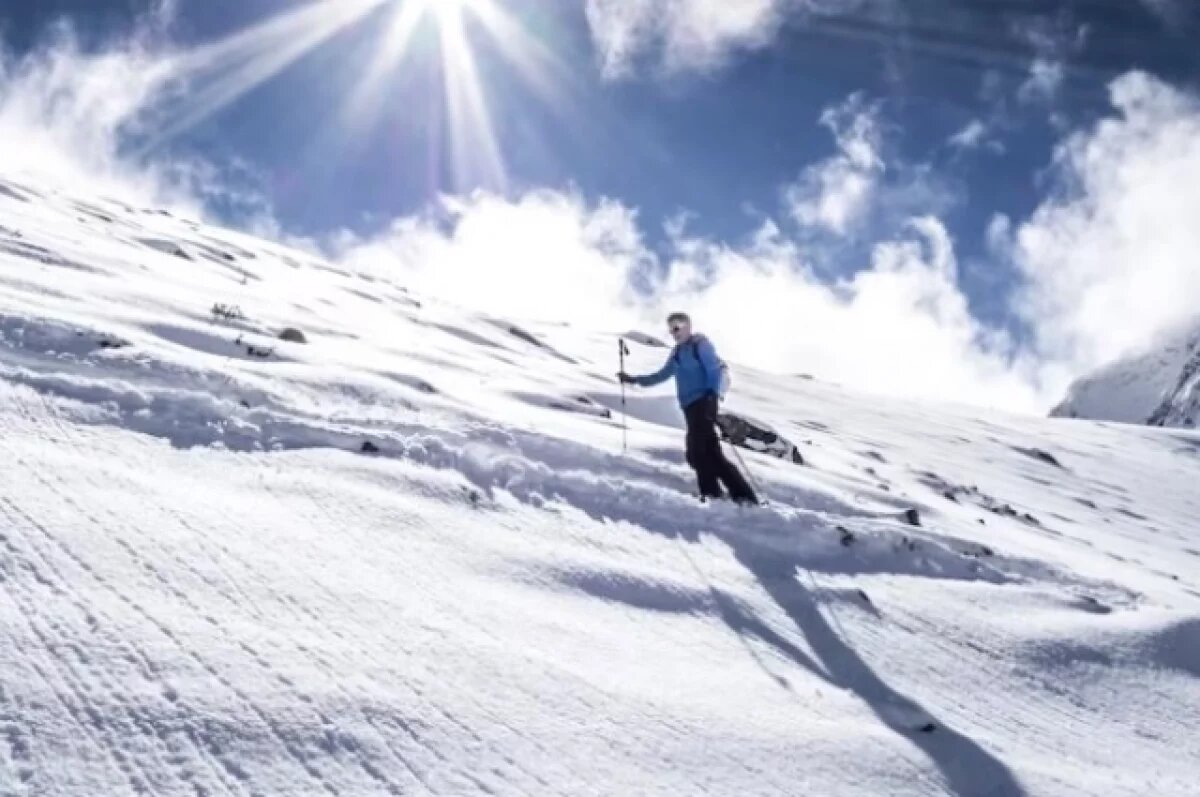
x: 861, y: 190
x: 63, y: 112
x: 546, y: 255
x: 688, y: 34
x: 75, y: 115
x: 1172, y: 12
x: 1055, y: 39
x: 1111, y: 258
x: 836, y: 193
x: 1044, y: 82
x: 900, y: 326
x: 691, y: 35
x: 970, y: 136
x: 976, y: 135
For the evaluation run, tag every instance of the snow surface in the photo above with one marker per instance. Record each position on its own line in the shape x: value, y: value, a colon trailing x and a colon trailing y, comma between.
x: 207, y: 587
x: 1159, y: 386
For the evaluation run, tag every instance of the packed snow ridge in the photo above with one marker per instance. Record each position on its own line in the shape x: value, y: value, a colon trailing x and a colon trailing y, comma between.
x: 272, y: 527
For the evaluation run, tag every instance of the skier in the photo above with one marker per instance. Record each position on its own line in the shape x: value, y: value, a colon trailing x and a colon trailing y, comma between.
x: 699, y: 375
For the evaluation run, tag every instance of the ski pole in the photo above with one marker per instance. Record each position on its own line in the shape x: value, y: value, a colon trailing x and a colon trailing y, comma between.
x: 749, y: 474
x: 622, y: 351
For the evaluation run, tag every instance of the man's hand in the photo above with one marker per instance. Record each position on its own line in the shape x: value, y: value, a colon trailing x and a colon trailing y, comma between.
x: 712, y: 406
x: 625, y: 379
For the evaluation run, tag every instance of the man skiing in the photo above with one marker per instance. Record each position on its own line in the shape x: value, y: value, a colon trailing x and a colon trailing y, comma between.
x: 698, y: 376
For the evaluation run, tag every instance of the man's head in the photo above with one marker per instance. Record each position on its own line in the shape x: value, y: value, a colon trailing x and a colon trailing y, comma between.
x: 680, y: 325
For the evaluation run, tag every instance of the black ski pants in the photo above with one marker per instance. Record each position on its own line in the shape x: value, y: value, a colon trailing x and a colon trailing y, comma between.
x: 705, y: 456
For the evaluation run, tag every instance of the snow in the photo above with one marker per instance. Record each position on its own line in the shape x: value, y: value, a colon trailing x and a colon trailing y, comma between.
x: 1159, y: 386
x: 207, y: 586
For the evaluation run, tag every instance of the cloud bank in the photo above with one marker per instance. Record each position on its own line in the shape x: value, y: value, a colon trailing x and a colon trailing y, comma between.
x: 1107, y: 264
x: 1111, y: 258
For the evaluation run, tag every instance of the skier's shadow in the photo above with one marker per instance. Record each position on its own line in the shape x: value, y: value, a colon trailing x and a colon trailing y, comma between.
x: 968, y: 769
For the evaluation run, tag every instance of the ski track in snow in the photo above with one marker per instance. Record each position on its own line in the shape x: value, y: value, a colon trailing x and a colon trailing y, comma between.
x: 208, y: 586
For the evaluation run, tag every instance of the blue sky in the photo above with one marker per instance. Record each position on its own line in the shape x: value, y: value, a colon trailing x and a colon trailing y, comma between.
x: 833, y: 122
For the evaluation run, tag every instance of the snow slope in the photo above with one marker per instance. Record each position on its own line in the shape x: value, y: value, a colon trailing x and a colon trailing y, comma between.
x: 1160, y: 387
x: 209, y: 587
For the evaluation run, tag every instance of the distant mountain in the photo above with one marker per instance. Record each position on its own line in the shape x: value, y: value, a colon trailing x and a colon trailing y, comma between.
x: 1159, y: 386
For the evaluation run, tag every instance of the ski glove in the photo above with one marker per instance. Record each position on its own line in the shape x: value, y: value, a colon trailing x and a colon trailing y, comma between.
x: 626, y: 379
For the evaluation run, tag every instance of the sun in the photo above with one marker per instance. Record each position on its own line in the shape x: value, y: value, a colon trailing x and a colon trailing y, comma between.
x: 220, y: 73
x: 459, y: 27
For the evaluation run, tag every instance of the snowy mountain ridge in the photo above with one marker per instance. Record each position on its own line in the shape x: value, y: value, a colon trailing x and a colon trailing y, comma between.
x: 402, y: 552
x: 1159, y: 386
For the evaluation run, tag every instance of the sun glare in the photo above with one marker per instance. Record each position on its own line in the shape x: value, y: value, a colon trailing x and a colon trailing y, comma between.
x: 447, y: 9
x: 218, y: 74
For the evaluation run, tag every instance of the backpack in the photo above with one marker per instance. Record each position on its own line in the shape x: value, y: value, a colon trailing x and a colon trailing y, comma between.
x: 726, y: 380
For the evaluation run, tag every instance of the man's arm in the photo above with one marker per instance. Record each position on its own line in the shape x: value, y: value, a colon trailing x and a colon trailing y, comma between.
x: 659, y: 376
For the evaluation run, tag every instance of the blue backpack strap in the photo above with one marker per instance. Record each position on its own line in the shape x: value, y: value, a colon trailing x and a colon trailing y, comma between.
x: 693, y: 343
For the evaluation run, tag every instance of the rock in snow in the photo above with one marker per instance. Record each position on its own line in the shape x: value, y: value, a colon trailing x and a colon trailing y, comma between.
x: 293, y: 335
x: 757, y: 436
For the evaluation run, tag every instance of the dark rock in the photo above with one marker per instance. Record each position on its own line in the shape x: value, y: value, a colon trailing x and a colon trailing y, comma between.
x: 757, y: 436
x: 645, y: 340
x: 521, y: 334
x: 865, y: 598
x: 228, y: 312
x: 912, y: 517
x: 928, y: 727
x: 847, y: 536
x: 111, y: 342
x: 1039, y: 455
x: 1090, y: 604
x: 293, y: 335
x: 369, y: 448
x: 589, y: 407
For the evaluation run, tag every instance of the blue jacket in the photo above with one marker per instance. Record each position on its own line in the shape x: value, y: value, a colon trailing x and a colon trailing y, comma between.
x: 696, y: 368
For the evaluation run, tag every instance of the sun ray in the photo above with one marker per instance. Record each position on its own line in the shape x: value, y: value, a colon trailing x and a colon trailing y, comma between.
x: 401, y: 26
x: 462, y: 133
x: 474, y: 150
x: 537, y: 63
x: 216, y: 75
